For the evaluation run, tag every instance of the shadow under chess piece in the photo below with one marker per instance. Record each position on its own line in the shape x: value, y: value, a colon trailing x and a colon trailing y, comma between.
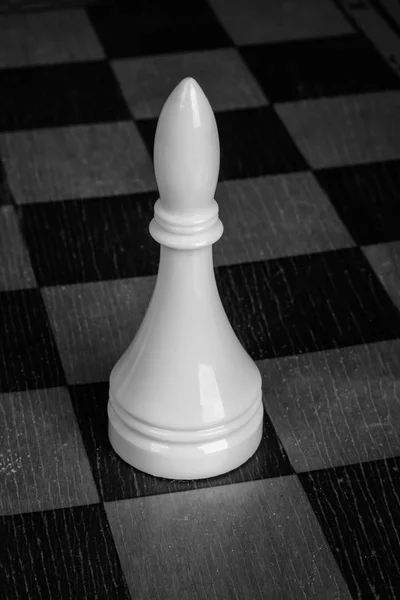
x: 185, y: 398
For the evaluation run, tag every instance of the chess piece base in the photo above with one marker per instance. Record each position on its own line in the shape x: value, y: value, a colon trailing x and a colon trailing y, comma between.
x: 187, y: 454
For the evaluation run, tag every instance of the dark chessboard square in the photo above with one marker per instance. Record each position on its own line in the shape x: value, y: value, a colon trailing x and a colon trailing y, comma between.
x: 259, y: 21
x: 60, y: 95
x: 116, y: 480
x: 128, y: 29
x: 253, y: 142
x: 346, y: 64
x: 28, y: 353
x: 366, y: 197
x: 358, y: 508
x: 307, y: 303
x: 5, y: 192
x: 67, y: 553
x: 91, y: 240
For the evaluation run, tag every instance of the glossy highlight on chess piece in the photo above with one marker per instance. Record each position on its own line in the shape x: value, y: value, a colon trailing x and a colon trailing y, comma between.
x: 185, y: 398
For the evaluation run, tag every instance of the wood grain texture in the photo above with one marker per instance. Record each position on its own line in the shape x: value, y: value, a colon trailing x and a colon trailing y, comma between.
x: 255, y: 540
x: 47, y: 38
x: 345, y: 131
x: 385, y: 260
x: 358, y: 507
x: 15, y: 266
x: 276, y: 216
x: 146, y: 82
x: 79, y: 162
x: 66, y: 553
x: 338, y: 407
x: 43, y: 464
x: 258, y: 22
x: 94, y: 323
x: 308, y: 271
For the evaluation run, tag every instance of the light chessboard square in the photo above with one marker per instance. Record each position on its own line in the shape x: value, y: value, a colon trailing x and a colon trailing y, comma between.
x: 146, y: 82
x: 45, y: 465
x: 76, y: 162
x: 385, y: 261
x: 283, y: 542
x: 15, y: 266
x: 338, y: 407
x: 345, y: 130
x: 94, y: 323
x: 276, y: 216
x: 44, y: 38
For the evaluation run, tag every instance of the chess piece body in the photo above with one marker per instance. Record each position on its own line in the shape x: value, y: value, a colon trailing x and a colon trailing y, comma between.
x: 185, y: 398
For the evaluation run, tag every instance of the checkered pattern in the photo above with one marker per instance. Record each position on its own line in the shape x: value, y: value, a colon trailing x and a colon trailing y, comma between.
x: 308, y: 270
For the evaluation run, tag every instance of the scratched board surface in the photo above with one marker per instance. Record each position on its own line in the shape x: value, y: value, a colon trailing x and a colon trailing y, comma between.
x: 308, y: 112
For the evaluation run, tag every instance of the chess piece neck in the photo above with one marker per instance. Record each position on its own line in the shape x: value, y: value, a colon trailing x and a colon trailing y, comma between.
x: 186, y: 231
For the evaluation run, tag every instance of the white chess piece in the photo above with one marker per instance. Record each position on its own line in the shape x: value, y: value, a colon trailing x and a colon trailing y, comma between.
x: 185, y: 398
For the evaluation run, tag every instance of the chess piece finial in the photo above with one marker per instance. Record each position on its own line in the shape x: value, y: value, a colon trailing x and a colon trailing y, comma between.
x: 185, y: 398
x: 186, y: 150
x: 186, y: 163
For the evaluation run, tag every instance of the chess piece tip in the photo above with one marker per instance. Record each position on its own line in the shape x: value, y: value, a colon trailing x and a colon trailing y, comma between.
x: 186, y: 150
x: 188, y: 81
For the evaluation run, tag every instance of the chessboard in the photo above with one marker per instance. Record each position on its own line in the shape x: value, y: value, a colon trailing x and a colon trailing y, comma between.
x: 308, y: 111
